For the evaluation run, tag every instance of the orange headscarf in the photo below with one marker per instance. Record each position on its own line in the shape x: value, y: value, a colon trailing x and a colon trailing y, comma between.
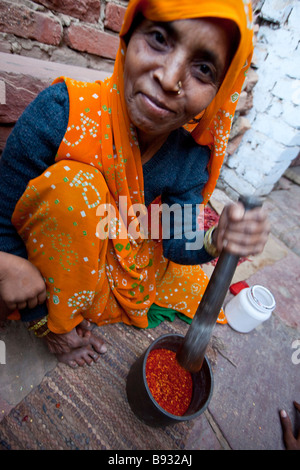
x: 215, y: 125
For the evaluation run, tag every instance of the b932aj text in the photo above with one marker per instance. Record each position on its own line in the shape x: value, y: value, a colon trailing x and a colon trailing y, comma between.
x: 169, y: 459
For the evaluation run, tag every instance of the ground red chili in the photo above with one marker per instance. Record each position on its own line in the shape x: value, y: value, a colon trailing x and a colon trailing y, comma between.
x: 170, y: 384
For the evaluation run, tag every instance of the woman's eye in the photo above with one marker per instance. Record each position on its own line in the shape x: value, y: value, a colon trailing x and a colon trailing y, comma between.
x: 205, y: 69
x: 205, y: 72
x: 159, y: 37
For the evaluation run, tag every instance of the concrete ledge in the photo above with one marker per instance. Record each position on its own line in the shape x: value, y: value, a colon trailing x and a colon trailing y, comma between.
x: 44, y: 70
x: 22, y: 78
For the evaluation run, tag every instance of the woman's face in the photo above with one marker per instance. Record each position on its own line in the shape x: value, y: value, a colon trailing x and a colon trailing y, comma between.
x: 195, y: 52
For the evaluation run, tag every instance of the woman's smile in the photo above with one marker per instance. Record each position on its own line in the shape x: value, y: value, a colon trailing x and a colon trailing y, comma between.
x: 155, y: 107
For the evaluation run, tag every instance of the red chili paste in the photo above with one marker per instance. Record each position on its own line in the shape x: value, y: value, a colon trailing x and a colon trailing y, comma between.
x: 170, y: 384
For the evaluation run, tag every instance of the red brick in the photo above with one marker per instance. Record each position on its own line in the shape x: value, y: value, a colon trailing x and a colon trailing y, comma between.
x: 86, y: 10
x: 240, y: 126
x: 242, y: 101
x: 20, y: 90
x: 91, y: 40
x: 251, y: 80
x: 234, y: 144
x: 27, y: 23
x: 114, y: 17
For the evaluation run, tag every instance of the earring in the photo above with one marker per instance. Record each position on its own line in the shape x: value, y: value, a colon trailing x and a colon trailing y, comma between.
x: 179, y: 84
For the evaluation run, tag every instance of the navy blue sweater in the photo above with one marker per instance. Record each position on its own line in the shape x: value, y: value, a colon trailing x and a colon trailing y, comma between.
x: 177, y: 173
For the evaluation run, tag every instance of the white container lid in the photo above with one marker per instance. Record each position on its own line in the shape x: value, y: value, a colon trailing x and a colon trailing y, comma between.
x: 262, y: 299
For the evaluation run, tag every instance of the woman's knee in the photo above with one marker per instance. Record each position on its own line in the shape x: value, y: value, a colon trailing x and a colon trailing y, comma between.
x: 77, y: 185
x: 66, y: 194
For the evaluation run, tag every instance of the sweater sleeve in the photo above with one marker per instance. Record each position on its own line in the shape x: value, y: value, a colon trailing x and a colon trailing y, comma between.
x: 182, y: 233
x: 30, y: 150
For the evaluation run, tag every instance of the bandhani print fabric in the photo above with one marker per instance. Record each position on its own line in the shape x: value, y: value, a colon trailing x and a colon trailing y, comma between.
x: 63, y: 213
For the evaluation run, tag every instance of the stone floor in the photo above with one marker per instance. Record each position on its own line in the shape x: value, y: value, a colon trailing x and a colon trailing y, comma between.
x: 260, y: 372
x: 256, y: 374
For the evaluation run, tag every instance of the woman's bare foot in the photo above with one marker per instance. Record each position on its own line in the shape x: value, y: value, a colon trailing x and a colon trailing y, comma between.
x: 78, y: 347
x: 76, y: 338
x: 81, y: 356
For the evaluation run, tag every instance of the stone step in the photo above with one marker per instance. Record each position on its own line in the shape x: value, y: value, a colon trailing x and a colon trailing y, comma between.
x: 22, y: 78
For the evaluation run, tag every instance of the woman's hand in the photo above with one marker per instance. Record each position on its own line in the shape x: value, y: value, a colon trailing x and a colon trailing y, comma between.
x: 241, y: 232
x: 4, y: 313
x: 21, y: 283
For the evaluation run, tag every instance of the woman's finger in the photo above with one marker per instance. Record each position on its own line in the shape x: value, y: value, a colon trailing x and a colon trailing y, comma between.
x: 21, y: 305
x: 31, y: 303
x: 42, y: 297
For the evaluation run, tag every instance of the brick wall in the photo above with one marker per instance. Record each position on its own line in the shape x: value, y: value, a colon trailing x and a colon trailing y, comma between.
x: 272, y: 142
x: 82, y: 32
x: 43, y: 39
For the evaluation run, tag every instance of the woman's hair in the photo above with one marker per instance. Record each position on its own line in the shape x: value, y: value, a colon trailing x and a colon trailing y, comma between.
x: 138, y: 19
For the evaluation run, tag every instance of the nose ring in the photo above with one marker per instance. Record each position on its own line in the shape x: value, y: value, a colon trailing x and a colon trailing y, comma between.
x: 179, y: 85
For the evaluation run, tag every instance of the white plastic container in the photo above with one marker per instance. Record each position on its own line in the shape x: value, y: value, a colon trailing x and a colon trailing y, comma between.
x: 249, y: 308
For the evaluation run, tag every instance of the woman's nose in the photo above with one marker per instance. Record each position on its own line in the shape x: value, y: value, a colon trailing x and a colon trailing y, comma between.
x: 170, y: 74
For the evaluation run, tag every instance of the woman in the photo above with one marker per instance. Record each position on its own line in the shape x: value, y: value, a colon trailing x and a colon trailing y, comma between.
x: 179, y: 64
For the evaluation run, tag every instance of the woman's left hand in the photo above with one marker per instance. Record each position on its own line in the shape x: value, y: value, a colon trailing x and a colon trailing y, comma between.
x: 241, y: 232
